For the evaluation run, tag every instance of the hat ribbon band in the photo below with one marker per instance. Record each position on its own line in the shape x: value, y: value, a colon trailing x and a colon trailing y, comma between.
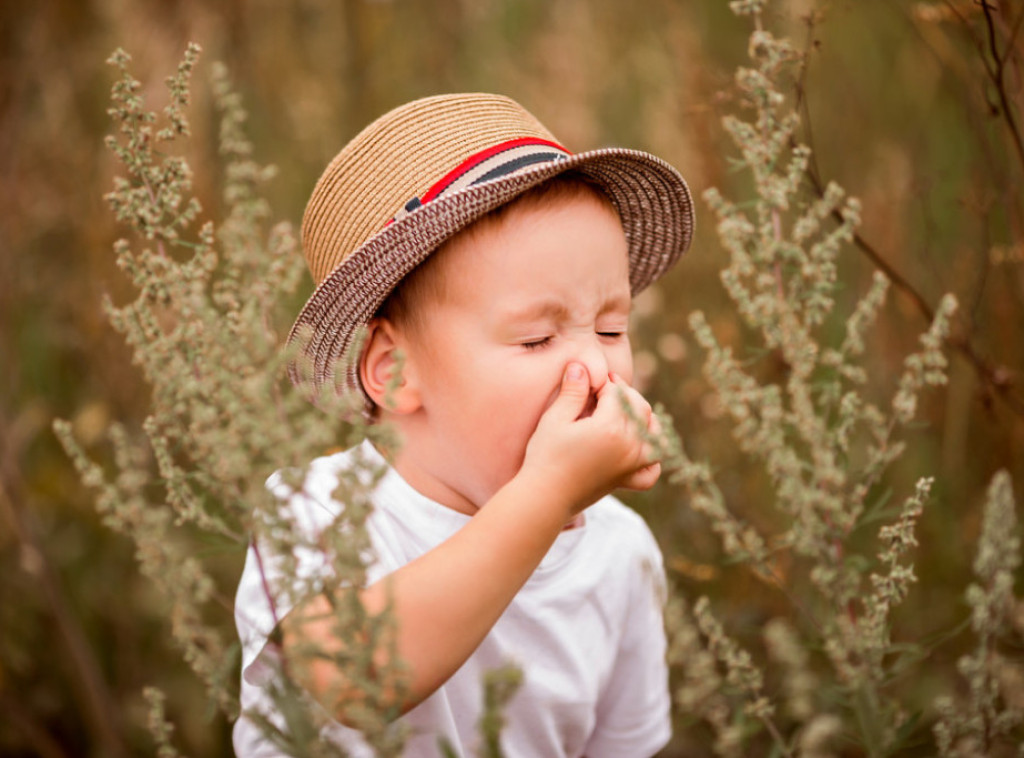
x: 491, y: 163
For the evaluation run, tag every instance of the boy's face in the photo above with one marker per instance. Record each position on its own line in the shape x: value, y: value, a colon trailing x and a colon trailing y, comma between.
x: 523, y: 296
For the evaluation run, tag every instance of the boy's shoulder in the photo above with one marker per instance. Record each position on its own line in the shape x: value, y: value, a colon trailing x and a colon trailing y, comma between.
x: 310, y: 492
x: 325, y: 470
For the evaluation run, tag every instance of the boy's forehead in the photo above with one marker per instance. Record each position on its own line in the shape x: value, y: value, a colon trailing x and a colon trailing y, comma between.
x: 517, y: 279
x: 530, y: 261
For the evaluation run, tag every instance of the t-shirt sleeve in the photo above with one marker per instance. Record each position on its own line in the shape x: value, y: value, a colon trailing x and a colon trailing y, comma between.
x: 272, y: 583
x: 633, y: 714
x: 265, y: 596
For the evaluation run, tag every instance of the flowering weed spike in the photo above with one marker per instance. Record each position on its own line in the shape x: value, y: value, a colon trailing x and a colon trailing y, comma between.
x: 799, y: 682
x: 701, y: 688
x: 986, y: 719
x: 159, y: 727
x: 889, y: 587
x: 926, y: 367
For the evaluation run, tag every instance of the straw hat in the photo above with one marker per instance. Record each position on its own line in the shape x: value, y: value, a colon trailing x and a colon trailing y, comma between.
x: 426, y: 170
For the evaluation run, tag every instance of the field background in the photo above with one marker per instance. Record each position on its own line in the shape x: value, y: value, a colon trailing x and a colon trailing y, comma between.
x: 896, y: 105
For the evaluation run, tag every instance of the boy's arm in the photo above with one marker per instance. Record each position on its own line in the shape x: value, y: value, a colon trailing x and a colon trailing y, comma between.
x: 446, y: 601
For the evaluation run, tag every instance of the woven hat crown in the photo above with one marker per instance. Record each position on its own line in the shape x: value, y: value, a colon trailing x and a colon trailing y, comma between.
x: 396, y: 158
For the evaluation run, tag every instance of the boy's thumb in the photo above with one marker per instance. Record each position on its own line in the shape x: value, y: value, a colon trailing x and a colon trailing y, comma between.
x: 574, y: 393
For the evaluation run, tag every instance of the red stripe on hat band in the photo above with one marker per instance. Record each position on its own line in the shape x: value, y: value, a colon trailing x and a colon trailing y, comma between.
x: 481, y: 156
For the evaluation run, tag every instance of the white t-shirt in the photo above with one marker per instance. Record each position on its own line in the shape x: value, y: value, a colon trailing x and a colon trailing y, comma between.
x: 586, y: 630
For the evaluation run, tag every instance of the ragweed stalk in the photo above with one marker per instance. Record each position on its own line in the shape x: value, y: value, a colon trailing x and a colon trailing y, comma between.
x: 822, y: 442
x: 203, y: 329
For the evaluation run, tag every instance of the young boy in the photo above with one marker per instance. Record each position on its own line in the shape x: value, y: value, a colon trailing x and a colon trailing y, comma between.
x: 494, y: 272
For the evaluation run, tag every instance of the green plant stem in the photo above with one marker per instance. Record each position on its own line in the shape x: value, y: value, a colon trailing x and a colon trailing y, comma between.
x: 780, y: 741
x: 868, y: 718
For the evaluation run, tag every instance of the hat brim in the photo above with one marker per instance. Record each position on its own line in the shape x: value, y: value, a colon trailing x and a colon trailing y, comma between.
x: 652, y: 198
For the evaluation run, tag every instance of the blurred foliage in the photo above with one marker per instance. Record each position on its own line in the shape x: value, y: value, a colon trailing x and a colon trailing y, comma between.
x: 907, y: 105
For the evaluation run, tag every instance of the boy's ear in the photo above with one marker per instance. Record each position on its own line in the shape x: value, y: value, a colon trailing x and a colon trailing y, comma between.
x: 380, y: 361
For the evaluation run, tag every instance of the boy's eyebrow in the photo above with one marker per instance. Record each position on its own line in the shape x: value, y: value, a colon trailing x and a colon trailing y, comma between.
x: 555, y: 309
x: 539, y: 309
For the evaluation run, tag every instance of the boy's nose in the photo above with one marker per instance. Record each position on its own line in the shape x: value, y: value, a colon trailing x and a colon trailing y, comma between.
x: 592, y: 356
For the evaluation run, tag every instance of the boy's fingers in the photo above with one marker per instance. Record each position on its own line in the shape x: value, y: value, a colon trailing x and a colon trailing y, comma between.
x: 611, y: 395
x: 641, y: 408
x: 609, y: 399
x: 651, y: 450
x: 644, y: 478
x: 573, y: 394
x: 655, y: 430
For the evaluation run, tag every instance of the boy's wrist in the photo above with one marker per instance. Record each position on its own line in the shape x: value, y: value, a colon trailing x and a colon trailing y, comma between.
x: 558, y: 487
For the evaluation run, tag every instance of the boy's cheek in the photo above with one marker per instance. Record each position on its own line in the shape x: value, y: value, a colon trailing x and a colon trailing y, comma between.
x: 626, y: 361
x: 552, y: 396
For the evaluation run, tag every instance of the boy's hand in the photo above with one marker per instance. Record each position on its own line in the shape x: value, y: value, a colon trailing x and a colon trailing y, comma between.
x: 587, y: 457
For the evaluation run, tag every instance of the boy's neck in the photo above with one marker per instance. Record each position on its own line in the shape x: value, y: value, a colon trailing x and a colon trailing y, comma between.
x: 417, y: 477
x: 431, y: 487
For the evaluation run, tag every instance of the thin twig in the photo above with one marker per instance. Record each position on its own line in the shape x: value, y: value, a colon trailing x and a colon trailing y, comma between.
x: 997, y: 73
x: 876, y: 258
x: 996, y: 378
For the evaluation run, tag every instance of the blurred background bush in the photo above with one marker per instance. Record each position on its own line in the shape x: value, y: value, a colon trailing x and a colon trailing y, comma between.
x: 904, y: 104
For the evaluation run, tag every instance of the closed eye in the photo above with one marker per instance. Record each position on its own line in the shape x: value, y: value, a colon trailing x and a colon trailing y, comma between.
x: 537, y: 344
x: 611, y: 335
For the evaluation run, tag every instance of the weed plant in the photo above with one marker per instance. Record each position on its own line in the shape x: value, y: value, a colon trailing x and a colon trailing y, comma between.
x: 824, y: 446
x: 202, y: 330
